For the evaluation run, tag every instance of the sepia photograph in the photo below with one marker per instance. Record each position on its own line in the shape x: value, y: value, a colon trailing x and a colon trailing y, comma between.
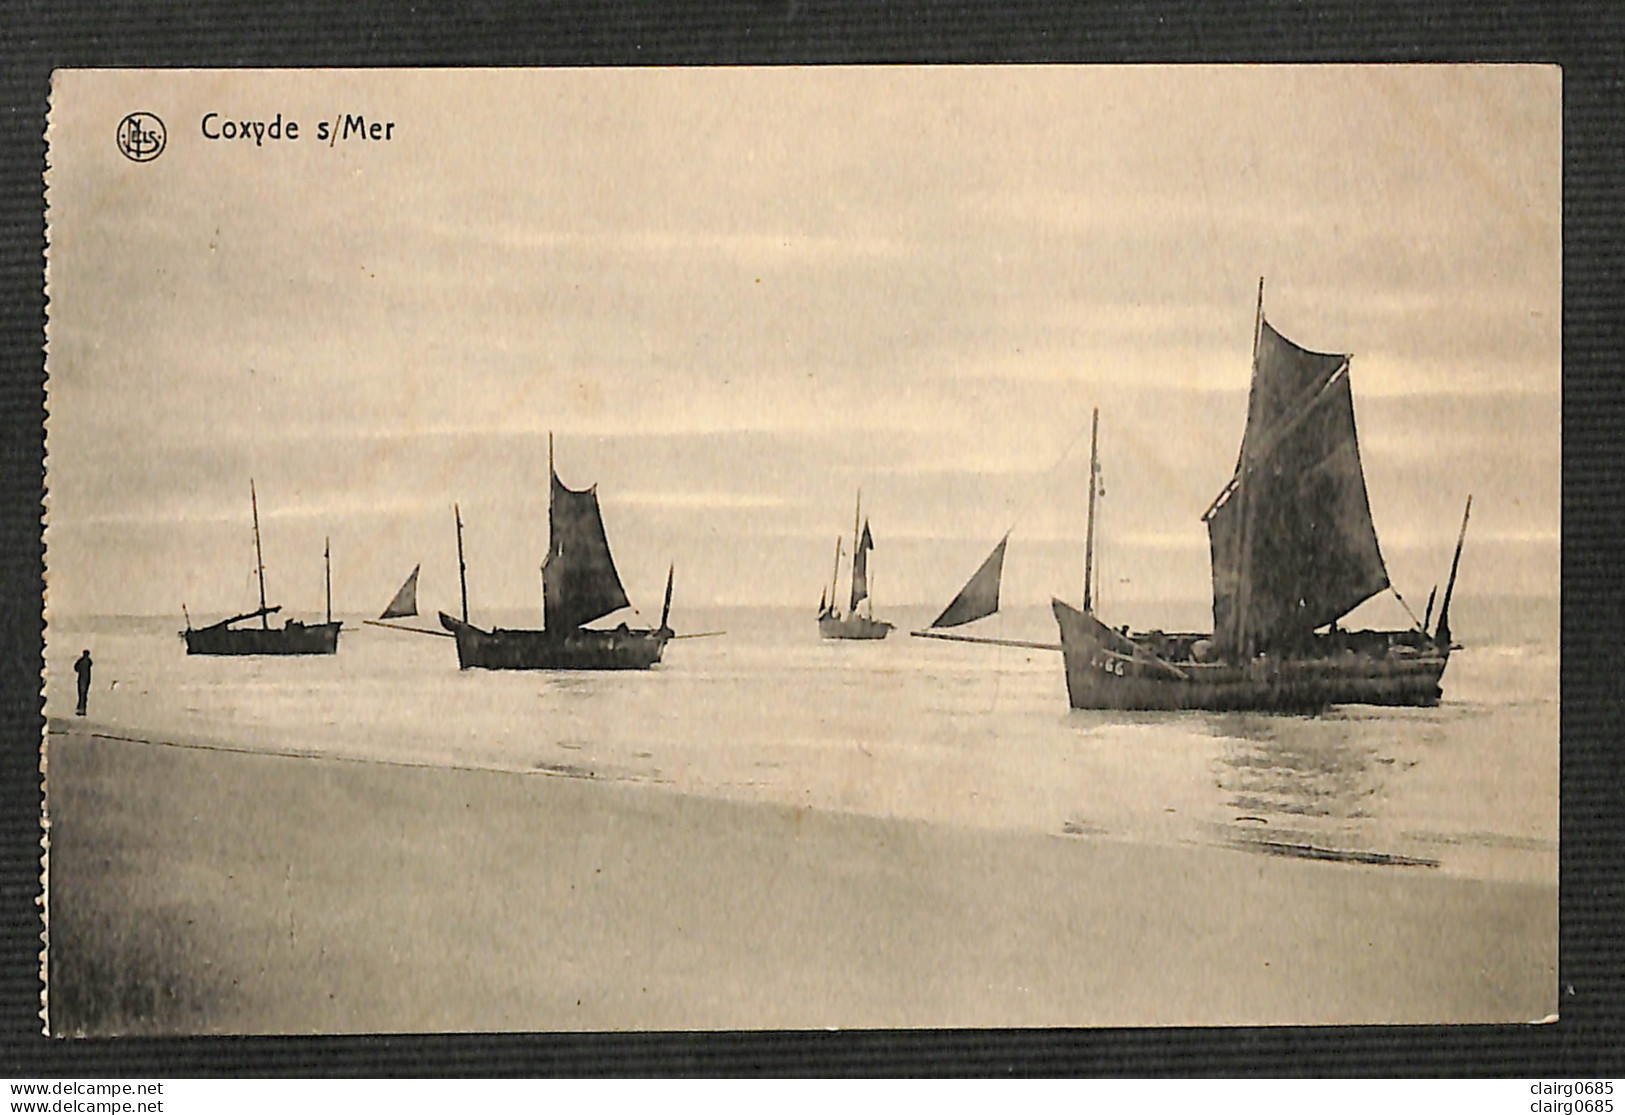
x: 790, y: 548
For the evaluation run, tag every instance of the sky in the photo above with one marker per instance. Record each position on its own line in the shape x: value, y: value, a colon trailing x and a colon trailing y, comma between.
x: 736, y: 297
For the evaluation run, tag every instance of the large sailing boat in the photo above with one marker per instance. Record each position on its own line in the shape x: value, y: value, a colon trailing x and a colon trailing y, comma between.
x: 1293, y: 551
x: 854, y: 625
x: 579, y: 584
x: 292, y: 638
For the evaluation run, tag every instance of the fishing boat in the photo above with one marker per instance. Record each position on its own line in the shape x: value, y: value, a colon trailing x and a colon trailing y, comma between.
x: 293, y: 637
x: 579, y: 584
x: 1293, y: 551
x: 854, y: 624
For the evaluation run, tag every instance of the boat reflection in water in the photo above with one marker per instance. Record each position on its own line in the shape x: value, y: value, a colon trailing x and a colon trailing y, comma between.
x: 1309, y: 787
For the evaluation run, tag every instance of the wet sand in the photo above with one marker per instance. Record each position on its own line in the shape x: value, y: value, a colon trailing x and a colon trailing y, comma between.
x: 202, y: 890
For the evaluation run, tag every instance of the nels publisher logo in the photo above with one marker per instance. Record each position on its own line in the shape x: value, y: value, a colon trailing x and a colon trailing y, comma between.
x: 141, y: 137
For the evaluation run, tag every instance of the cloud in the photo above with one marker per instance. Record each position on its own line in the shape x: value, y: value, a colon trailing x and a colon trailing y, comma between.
x: 732, y: 501
x: 735, y: 296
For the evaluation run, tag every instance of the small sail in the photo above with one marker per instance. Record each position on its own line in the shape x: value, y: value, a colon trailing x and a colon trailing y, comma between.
x: 1311, y: 548
x: 1441, y: 634
x: 665, y: 608
x: 406, y: 600
x: 579, y: 581
x: 980, y: 596
x: 860, y: 569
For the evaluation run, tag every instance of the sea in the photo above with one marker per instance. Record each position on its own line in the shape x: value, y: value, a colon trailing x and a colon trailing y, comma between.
x: 971, y: 736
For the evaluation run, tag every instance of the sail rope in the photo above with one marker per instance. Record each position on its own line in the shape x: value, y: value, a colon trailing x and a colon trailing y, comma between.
x: 1407, y: 608
x: 1037, y: 490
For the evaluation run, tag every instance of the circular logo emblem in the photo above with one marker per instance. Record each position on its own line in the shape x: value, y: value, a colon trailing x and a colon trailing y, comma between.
x: 141, y: 137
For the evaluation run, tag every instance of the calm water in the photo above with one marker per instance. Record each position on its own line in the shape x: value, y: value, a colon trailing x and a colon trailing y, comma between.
x: 961, y: 735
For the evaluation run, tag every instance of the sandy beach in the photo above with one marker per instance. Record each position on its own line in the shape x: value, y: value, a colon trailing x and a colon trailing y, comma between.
x: 195, y: 889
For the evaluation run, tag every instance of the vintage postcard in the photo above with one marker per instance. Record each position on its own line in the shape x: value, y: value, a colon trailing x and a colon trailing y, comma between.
x: 802, y: 547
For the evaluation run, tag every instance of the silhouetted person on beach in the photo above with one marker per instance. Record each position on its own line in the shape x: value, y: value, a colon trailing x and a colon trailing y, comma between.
x: 82, y: 668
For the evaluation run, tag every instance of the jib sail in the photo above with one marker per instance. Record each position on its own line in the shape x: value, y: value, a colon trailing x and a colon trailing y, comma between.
x: 406, y: 600
x: 980, y: 596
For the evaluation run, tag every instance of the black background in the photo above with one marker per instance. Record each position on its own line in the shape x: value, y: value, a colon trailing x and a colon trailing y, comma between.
x: 1584, y: 38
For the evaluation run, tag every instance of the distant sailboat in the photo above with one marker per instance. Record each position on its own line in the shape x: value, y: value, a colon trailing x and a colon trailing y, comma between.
x: 292, y: 638
x: 853, y: 625
x: 579, y: 584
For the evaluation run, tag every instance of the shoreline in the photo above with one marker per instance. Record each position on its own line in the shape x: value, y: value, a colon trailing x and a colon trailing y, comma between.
x: 197, y: 887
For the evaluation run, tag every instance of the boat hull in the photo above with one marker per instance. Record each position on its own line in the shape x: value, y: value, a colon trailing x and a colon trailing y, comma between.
x: 852, y: 627
x: 581, y: 649
x: 294, y: 638
x: 1099, y: 675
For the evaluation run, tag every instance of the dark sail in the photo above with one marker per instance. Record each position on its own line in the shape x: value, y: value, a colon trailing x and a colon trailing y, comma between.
x: 980, y: 596
x: 406, y: 600
x: 860, y: 569
x: 1292, y: 540
x: 579, y: 581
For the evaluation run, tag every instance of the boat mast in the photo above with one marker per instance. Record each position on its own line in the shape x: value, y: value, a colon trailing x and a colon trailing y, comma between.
x: 1239, y: 619
x: 1441, y: 634
x: 327, y: 572
x: 835, y: 574
x: 462, y: 569
x: 259, y: 556
x: 857, y: 514
x: 1089, y: 537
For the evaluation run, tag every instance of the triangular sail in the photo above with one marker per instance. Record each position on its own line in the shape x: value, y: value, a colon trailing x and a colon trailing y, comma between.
x: 665, y: 607
x: 406, y: 600
x: 860, y: 569
x: 980, y: 596
x: 1292, y: 540
x: 579, y: 581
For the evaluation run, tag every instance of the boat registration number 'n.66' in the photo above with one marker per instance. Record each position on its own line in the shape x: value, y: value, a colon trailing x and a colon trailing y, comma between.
x: 1108, y: 664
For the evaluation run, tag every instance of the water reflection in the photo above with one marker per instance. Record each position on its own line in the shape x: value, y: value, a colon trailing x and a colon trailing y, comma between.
x: 1297, y: 767
x: 1316, y: 786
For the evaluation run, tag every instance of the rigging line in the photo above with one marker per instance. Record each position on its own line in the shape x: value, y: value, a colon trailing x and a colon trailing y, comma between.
x: 1407, y: 608
x: 1036, y: 490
